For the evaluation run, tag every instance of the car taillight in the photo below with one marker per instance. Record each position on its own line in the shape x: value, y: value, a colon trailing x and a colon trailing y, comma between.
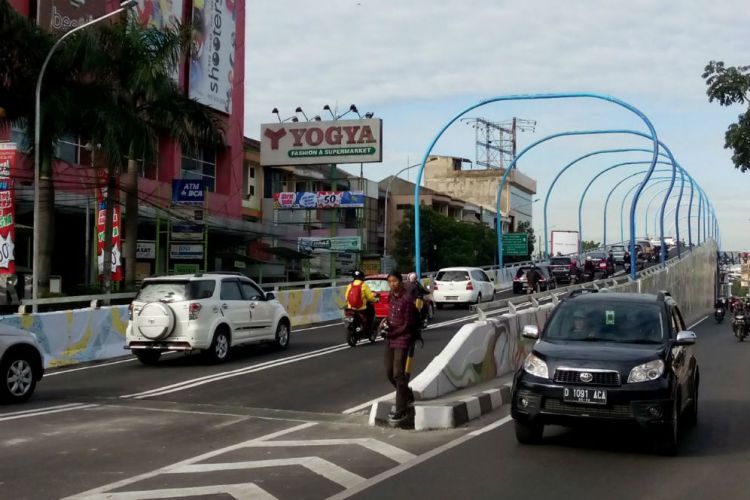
x: 194, y: 310
x: 516, y: 279
x: 470, y: 286
x: 603, y: 265
x: 130, y: 312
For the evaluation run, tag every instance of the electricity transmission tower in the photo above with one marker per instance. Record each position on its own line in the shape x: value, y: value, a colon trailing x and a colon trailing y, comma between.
x: 495, y: 142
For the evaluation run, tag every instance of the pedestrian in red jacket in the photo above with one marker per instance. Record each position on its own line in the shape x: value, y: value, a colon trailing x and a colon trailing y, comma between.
x: 403, y: 322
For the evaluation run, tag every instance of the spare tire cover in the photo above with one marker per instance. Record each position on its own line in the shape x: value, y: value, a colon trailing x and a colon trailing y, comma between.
x: 155, y: 321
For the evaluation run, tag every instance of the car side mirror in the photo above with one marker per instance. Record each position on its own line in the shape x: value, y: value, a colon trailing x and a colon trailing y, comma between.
x: 530, y: 332
x: 270, y: 296
x: 686, y: 338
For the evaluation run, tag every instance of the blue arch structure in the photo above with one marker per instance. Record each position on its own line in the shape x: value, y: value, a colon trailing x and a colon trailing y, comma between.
x: 656, y: 180
x: 521, y: 97
x: 632, y: 243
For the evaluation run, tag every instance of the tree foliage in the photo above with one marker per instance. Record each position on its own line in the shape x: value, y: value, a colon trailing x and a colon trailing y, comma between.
x: 444, y: 242
x: 590, y: 245
x: 731, y: 85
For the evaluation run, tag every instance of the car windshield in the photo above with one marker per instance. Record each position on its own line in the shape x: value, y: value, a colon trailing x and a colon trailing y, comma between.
x: 378, y: 285
x: 175, y: 290
x: 597, y: 256
x: 617, y: 249
x: 452, y: 276
x: 624, y: 322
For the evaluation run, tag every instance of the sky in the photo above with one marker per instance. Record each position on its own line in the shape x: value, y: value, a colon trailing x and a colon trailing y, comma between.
x: 416, y: 64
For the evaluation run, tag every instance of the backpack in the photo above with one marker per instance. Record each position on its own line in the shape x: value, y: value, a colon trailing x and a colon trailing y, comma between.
x: 354, y: 298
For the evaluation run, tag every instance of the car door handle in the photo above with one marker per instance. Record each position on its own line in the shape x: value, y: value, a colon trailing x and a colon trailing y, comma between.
x: 225, y: 306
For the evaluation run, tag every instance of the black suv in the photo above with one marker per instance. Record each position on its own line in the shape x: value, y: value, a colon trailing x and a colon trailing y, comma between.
x: 614, y: 357
x: 564, y: 269
x: 546, y: 279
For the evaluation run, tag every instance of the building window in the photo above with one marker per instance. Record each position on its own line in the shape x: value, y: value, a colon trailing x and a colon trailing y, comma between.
x: 252, y: 172
x: 22, y: 142
x: 200, y: 165
x: 404, y: 206
x: 252, y: 191
x: 300, y: 186
x: 67, y: 149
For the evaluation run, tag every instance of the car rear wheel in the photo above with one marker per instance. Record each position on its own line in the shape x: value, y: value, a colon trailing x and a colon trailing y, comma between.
x: 218, y: 352
x: 148, y: 357
x: 528, y: 433
x: 18, y: 380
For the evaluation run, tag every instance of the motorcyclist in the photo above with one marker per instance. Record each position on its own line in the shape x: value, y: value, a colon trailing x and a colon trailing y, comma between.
x: 359, y: 297
x: 611, y: 260
x: 532, y: 278
x: 626, y: 259
x: 588, y: 267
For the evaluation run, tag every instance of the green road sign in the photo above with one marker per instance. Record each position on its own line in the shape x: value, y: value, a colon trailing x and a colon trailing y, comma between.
x: 515, y: 244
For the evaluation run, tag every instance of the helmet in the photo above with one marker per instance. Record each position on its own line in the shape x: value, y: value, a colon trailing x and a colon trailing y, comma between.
x: 358, y: 275
x: 588, y: 257
x: 412, y: 277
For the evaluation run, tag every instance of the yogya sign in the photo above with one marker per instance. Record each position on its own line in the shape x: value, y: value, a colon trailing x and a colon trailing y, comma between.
x: 336, y: 141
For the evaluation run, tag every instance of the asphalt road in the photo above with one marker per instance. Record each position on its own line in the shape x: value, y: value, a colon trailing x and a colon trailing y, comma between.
x: 606, y: 463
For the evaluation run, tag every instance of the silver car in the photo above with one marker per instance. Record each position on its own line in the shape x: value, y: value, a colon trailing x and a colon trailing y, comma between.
x: 21, y: 364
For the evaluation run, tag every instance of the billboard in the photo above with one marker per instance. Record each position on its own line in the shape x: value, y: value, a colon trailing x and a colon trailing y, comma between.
x: 564, y: 243
x: 7, y: 208
x: 310, y: 143
x: 334, y: 244
x: 160, y: 14
x: 60, y: 16
x: 318, y: 199
x: 101, y: 217
x: 212, y: 53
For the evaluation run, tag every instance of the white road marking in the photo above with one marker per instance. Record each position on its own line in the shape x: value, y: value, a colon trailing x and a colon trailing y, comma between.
x: 369, y: 403
x: 45, y: 411
x: 697, y: 323
x: 385, y: 449
x: 418, y: 460
x: 189, y: 384
x: 99, y: 365
x: 318, y: 465
x: 101, y: 490
x: 242, y: 491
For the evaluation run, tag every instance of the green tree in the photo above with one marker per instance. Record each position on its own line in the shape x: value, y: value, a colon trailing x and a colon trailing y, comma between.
x: 138, y: 103
x: 444, y: 242
x: 731, y: 85
x: 590, y: 245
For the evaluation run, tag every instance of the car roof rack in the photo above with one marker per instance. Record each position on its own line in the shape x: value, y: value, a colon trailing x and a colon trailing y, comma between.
x: 232, y: 273
x: 662, y: 295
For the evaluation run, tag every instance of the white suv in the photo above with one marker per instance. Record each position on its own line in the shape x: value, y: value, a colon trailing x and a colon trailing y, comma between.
x: 208, y: 312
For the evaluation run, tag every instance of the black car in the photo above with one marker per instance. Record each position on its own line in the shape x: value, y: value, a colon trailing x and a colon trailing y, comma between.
x: 564, y: 269
x: 546, y: 279
x: 603, y: 267
x: 615, y: 357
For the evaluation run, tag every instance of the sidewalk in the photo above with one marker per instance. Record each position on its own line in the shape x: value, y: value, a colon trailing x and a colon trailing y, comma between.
x: 454, y: 409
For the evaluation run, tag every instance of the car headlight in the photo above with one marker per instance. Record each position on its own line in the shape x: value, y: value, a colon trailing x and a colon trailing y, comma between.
x: 646, y: 372
x: 535, y: 366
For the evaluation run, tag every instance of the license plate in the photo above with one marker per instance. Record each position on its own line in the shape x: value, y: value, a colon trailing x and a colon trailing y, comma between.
x: 452, y: 298
x: 585, y: 395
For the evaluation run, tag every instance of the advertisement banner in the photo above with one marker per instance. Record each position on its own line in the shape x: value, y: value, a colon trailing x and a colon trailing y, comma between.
x: 319, y: 199
x: 60, y: 16
x: 334, y: 244
x: 333, y: 141
x: 160, y: 14
x: 187, y: 251
x: 212, y: 54
x: 7, y: 211
x: 101, y: 216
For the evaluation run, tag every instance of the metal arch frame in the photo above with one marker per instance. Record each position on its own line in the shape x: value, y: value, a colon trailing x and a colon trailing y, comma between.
x: 648, y: 207
x: 588, y: 186
x: 658, y: 180
x: 671, y: 210
x: 499, y: 228
x: 632, y: 211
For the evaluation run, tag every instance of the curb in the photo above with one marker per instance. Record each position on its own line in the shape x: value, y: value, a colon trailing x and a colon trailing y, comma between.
x: 448, y: 414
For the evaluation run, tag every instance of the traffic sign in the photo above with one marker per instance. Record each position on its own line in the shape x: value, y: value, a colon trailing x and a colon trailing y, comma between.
x: 515, y: 244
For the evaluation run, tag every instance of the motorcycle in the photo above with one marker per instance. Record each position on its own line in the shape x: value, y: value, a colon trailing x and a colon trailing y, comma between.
x: 739, y: 326
x: 358, y: 327
x: 719, y: 314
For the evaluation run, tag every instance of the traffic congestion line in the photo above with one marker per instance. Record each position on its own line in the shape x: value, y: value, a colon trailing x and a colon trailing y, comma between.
x: 45, y: 411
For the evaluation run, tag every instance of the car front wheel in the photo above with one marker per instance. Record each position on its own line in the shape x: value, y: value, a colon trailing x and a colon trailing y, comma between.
x: 668, y: 437
x: 282, y: 335
x: 18, y: 380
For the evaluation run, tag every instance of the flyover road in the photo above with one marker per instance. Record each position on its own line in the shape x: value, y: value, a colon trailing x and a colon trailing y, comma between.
x: 712, y: 460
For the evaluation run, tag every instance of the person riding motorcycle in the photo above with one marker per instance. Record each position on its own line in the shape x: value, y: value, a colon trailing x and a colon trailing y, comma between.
x: 532, y: 279
x: 359, y: 297
x: 588, y: 267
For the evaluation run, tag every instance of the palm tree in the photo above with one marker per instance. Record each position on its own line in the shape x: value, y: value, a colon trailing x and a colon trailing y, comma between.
x: 24, y: 48
x: 141, y: 103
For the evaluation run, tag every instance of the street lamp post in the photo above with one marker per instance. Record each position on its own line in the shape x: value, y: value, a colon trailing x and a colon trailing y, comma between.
x: 127, y: 4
